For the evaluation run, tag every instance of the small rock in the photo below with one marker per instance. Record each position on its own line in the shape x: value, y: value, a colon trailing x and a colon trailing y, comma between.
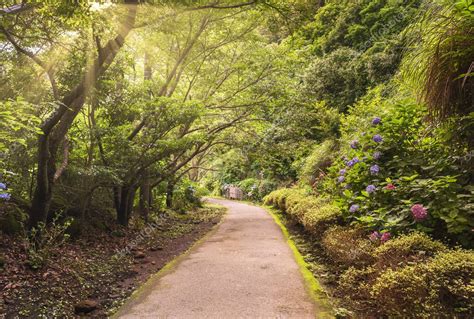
x: 153, y: 263
x: 155, y: 248
x: 86, y: 306
x: 139, y: 255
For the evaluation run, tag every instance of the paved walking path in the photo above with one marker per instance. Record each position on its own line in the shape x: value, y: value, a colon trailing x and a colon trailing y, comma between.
x: 245, y: 269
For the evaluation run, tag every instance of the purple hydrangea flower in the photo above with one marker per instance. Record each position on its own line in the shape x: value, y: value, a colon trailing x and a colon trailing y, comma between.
x: 419, y: 212
x: 342, y: 171
x: 5, y: 196
x: 3, y: 186
x: 371, y: 189
x: 374, y: 169
x: 352, y: 162
x: 376, y: 120
x: 377, y: 155
x: 374, y: 236
x: 354, y: 208
x: 385, y: 236
x: 377, y: 138
x: 341, y: 179
x: 354, y: 144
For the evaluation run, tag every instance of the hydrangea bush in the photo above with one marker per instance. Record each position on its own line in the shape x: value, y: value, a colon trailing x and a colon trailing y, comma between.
x: 395, y: 174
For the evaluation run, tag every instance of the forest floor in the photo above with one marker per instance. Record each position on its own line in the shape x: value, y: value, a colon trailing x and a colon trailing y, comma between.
x: 244, y: 269
x: 89, y: 275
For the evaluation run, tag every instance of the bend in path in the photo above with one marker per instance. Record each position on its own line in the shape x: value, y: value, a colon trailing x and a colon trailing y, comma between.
x: 244, y: 269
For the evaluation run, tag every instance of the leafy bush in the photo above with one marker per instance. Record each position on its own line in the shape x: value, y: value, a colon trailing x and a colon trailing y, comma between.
x: 278, y: 198
x: 354, y: 287
x: 441, y: 287
x: 409, y: 276
x: 44, y: 240
x: 318, y: 219
x: 316, y: 214
x: 348, y: 246
x: 11, y: 222
x: 407, y: 249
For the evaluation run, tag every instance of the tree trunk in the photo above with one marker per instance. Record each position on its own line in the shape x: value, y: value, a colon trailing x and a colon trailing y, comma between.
x: 124, y: 210
x: 145, y: 198
x: 145, y: 191
x: 169, y: 193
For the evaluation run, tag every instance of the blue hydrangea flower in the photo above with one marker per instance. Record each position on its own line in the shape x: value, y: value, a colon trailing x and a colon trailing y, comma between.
x: 376, y: 120
x: 5, y: 196
x: 3, y: 186
x: 374, y: 169
x: 377, y: 155
x: 354, y: 208
x: 377, y: 138
x: 342, y: 171
x: 354, y: 144
x: 370, y: 189
x: 341, y: 179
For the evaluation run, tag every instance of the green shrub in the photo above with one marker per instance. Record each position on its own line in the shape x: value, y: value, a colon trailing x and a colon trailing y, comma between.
x: 316, y: 214
x: 354, y: 288
x: 298, y: 204
x: 278, y: 198
x: 406, y: 249
x: 318, y: 219
x: 11, y: 221
x: 442, y: 287
x: 44, y: 240
x: 348, y: 246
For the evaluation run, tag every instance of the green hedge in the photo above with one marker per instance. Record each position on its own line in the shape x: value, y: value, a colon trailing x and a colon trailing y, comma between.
x: 411, y: 276
x: 315, y: 214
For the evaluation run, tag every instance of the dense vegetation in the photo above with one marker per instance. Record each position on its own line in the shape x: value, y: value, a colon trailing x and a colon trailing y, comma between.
x: 360, y: 113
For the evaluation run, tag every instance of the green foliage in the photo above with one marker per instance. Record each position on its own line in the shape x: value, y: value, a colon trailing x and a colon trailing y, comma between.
x: 441, y: 287
x: 407, y: 249
x: 348, y: 246
x: 317, y: 162
x: 18, y: 125
x: 43, y: 241
x: 440, y: 65
x: 316, y: 214
x: 11, y: 220
x: 411, y: 276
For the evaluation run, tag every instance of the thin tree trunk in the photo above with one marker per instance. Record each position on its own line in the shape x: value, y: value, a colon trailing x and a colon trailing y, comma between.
x: 169, y: 193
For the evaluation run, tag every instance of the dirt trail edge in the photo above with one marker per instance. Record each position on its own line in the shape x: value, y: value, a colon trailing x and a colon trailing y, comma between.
x: 244, y: 269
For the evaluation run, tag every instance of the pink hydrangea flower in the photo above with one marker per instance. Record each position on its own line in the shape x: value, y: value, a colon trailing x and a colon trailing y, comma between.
x: 419, y: 212
x: 374, y: 236
x: 385, y: 236
x: 390, y: 187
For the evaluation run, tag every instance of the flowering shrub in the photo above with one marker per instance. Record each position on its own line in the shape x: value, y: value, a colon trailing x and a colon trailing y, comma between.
x: 394, y: 174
